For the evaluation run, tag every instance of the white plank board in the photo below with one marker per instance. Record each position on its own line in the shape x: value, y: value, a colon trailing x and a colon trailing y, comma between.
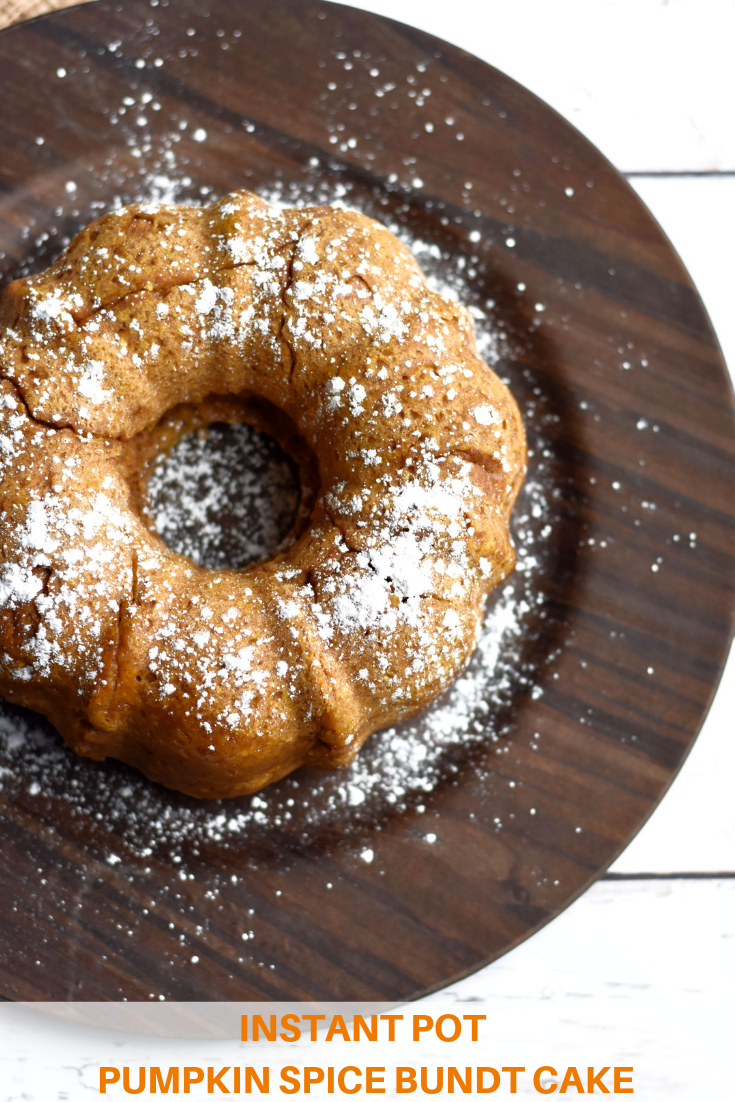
x: 634, y: 974
x: 651, y: 82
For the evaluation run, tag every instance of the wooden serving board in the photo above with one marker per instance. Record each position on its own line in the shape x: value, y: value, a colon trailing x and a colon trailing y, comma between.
x: 629, y: 408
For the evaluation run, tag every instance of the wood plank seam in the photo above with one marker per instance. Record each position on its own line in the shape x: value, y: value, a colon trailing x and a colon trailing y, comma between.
x: 676, y: 174
x: 668, y: 876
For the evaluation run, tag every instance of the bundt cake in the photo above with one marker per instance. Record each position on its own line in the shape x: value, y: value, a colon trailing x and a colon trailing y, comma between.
x: 315, y: 325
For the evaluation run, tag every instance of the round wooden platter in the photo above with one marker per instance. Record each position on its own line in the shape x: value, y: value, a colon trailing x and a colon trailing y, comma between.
x: 630, y: 594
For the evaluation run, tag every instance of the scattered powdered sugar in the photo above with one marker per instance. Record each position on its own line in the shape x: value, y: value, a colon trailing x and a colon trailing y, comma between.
x: 18, y: 584
x: 90, y: 382
x: 226, y: 496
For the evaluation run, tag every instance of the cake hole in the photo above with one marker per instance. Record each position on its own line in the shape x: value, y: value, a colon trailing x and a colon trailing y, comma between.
x: 226, y: 496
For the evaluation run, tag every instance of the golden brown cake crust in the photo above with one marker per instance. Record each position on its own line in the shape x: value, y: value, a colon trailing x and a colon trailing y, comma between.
x: 318, y: 325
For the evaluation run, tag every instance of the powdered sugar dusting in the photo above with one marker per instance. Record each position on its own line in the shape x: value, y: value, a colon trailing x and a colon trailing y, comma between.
x: 225, y: 497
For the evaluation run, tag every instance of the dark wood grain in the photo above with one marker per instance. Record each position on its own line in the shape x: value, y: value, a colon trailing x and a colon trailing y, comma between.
x: 82, y: 915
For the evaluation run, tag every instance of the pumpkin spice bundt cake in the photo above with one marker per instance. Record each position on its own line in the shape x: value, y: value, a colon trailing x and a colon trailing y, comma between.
x: 317, y: 326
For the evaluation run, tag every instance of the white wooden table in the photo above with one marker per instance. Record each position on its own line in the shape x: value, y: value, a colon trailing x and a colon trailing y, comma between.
x: 641, y: 970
